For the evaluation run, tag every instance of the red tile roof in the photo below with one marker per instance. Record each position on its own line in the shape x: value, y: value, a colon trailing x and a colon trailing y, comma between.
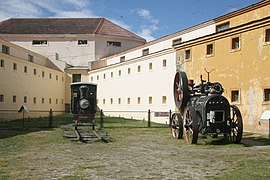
x: 64, y: 26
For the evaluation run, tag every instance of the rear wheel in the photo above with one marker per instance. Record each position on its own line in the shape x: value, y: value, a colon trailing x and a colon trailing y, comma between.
x: 236, y: 125
x: 190, y: 125
x: 180, y: 90
x: 177, y: 126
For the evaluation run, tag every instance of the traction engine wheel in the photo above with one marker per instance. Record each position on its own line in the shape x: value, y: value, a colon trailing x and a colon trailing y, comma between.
x: 190, y: 124
x: 236, y: 125
x: 180, y: 90
x: 177, y: 126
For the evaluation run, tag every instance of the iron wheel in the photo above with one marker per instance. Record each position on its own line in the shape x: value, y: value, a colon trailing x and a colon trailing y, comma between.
x: 177, y: 126
x: 190, y: 126
x: 236, y: 125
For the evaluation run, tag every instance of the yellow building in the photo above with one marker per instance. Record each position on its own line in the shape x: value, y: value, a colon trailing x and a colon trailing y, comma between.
x: 239, y: 54
x: 29, y: 79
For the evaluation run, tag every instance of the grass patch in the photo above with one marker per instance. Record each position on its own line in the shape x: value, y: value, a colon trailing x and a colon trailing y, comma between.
x: 257, y: 169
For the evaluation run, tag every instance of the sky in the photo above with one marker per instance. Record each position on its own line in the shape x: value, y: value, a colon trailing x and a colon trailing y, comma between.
x: 150, y: 19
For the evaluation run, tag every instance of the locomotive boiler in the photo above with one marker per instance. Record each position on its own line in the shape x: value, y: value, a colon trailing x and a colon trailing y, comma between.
x: 83, y: 103
x: 203, y: 109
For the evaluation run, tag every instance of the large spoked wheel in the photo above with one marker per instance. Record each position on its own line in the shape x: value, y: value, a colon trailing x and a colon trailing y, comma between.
x: 191, y: 127
x: 177, y: 126
x: 236, y: 125
x: 180, y: 88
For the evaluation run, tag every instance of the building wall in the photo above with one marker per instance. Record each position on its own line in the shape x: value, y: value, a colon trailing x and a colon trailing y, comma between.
x: 47, y: 83
x: 114, y: 89
x: 245, y: 70
x: 67, y: 48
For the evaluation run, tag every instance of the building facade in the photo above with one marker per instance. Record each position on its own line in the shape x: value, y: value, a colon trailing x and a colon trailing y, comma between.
x: 29, y: 79
x: 141, y: 78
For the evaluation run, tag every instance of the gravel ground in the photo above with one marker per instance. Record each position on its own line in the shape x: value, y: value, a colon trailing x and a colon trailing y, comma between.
x: 131, y: 154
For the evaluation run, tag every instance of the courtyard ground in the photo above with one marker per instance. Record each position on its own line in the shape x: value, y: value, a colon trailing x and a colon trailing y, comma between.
x: 132, y: 153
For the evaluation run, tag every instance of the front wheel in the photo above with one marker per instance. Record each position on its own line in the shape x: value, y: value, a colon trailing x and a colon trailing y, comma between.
x: 190, y: 125
x: 236, y: 125
x: 177, y: 126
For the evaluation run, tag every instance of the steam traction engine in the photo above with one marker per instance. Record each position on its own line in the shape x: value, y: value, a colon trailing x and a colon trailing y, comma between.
x: 203, y: 109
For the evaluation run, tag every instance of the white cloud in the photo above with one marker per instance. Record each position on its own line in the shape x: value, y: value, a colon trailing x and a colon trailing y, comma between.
x: 151, y: 24
x: 17, y: 8
x: 41, y: 8
x: 144, y: 13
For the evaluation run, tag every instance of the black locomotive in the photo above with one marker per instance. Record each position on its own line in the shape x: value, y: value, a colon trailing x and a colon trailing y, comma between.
x: 83, y: 103
x: 203, y: 109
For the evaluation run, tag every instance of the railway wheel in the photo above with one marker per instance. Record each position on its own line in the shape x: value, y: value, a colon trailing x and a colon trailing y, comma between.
x: 190, y: 126
x: 177, y: 126
x: 236, y: 125
x: 180, y: 88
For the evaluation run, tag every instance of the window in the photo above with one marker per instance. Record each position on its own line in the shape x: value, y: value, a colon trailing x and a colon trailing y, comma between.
x: 56, y: 77
x: 50, y: 101
x: 2, y: 63
x: 104, y: 101
x: 25, y: 69
x: 35, y: 71
x: 76, y: 78
x: 138, y: 100
x: 122, y: 59
x: 56, y: 101
x: 30, y: 58
x: 209, y: 49
x: 222, y: 27
x: 187, y: 54
x: 111, y: 100
x: 43, y: 74
x: 119, y: 100
x: 164, y: 63
x: 267, y: 94
x: 139, y: 68
x: 128, y: 100
x: 267, y: 35
x: 129, y: 70
x: 104, y: 76
x: 42, y: 100
x: 5, y: 49
x: 14, y: 66
x: 34, y: 100
x: 235, y: 43
x: 97, y: 77
x: 56, y: 56
x: 150, y: 66
x: 119, y: 73
x: 25, y: 99
x: 113, y: 43
x: 14, y: 98
x: 235, y: 96
x: 39, y: 42
x: 50, y: 75
x: 145, y: 52
x: 2, y: 98
x: 164, y: 99
x: 82, y: 42
x: 177, y: 41
x: 150, y: 100
x: 111, y: 74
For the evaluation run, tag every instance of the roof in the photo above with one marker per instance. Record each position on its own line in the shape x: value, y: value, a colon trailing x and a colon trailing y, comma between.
x: 100, y: 26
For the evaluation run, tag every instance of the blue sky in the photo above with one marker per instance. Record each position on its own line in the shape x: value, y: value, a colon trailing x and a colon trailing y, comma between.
x: 151, y: 19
